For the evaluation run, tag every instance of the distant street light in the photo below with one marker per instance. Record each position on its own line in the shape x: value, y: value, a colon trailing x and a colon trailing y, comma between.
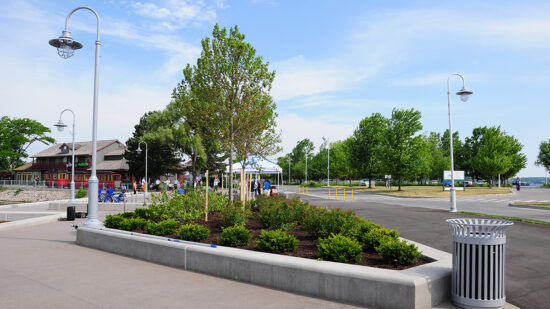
x: 464, y: 94
x: 60, y: 126
x: 289, y: 169
x: 306, y: 166
x: 139, y: 152
x: 328, y: 165
x: 65, y: 48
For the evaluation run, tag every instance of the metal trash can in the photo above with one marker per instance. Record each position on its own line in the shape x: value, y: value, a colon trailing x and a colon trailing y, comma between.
x: 479, y: 258
x: 71, y: 213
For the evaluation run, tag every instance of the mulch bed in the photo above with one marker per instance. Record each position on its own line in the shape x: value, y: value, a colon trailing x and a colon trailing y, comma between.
x: 307, y: 244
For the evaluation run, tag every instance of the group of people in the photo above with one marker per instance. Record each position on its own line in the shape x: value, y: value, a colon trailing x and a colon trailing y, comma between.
x: 262, y: 186
x: 168, y: 185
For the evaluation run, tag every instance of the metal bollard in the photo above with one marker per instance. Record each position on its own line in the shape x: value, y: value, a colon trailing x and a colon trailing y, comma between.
x: 479, y: 258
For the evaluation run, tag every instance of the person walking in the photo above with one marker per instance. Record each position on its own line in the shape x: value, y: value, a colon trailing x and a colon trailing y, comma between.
x: 215, y: 185
x: 134, y: 186
x: 143, y: 184
x: 518, y: 184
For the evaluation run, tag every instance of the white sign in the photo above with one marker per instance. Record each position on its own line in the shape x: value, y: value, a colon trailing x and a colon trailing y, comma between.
x: 387, y: 176
x: 459, y: 175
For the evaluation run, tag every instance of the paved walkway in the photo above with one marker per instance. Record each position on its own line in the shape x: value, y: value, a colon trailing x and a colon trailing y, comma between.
x: 42, y: 267
x: 528, y: 245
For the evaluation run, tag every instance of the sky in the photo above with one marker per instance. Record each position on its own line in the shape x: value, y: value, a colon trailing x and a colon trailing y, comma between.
x: 336, y: 62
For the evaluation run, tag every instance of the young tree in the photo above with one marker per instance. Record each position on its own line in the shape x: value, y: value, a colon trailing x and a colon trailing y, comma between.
x: 365, y: 146
x: 230, y: 75
x: 439, y: 162
x: 16, y: 135
x: 298, y: 158
x: 161, y: 157
x: 543, y: 159
x: 398, y: 151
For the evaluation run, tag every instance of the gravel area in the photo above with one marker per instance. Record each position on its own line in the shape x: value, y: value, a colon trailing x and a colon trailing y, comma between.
x: 33, y: 195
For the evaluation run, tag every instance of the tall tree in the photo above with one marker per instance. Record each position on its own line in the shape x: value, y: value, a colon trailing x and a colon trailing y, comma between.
x: 439, y: 162
x: 161, y: 158
x: 399, y: 149
x: 16, y: 135
x: 230, y: 75
x: 543, y: 159
x: 366, y: 144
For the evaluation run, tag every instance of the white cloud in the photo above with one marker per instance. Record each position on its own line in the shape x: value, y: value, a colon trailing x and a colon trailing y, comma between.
x: 176, y: 14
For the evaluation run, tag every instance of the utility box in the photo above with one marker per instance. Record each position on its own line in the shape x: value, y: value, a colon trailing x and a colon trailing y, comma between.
x: 71, y: 213
x: 479, y: 262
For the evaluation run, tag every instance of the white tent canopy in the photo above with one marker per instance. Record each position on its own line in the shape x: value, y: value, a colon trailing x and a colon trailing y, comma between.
x: 256, y: 165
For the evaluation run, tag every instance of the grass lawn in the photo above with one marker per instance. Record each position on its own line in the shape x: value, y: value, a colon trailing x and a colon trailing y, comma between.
x: 431, y: 191
x: 505, y: 217
x: 541, y: 204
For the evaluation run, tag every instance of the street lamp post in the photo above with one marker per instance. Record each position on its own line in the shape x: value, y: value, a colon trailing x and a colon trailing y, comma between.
x: 139, y: 152
x: 60, y: 126
x: 65, y: 48
x: 464, y: 93
x: 306, y: 167
x: 289, y: 169
x: 328, y: 166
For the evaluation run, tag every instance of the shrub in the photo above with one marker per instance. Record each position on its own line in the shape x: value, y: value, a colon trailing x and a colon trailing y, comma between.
x: 323, y: 223
x: 216, y: 202
x: 339, y: 248
x: 276, y: 216
x: 133, y: 224
x: 234, y: 214
x: 162, y: 228
x: 113, y: 221
x: 276, y: 241
x: 142, y: 213
x: 2, y: 188
x: 128, y: 215
x: 17, y: 191
x: 371, y: 239
x: 81, y: 193
x: 312, y: 184
x: 184, y: 207
x: 235, y: 236
x: 193, y: 232
x: 398, y: 250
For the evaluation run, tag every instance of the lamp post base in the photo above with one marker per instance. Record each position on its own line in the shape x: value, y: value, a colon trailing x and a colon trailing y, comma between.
x: 453, y: 200
x: 95, y: 223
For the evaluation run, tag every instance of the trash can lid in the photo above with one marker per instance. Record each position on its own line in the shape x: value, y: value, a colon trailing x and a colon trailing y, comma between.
x: 479, y: 222
x: 485, y: 228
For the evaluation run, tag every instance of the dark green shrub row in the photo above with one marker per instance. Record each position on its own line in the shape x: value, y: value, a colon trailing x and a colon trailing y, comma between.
x: 166, y: 227
x: 322, y: 223
x: 399, y: 251
x: 133, y: 224
x: 339, y: 248
x: 235, y: 236
x: 284, y: 214
x: 193, y: 232
x: 276, y: 241
x: 235, y: 214
x: 372, y: 238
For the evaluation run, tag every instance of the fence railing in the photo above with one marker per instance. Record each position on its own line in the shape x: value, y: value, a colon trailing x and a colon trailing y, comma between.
x: 57, y: 184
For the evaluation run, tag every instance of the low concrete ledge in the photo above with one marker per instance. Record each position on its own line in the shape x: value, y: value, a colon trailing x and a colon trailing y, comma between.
x: 419, y: 287
x: 27, y: 218
x: 83, y: 206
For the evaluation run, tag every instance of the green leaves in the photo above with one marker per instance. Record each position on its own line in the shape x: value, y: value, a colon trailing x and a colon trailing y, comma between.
x: 543, y: 158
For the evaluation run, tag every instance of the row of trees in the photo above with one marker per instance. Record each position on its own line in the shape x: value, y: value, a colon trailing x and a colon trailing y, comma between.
x: 221, y: 109
x: 394, y: 146
x: 16, y: 135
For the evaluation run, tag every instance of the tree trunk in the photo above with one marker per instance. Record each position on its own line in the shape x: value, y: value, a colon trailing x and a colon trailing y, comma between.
x: 231, y: 163
x: 399, y: 179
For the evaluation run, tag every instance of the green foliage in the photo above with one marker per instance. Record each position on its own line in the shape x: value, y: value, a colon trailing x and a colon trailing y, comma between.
x: 339, y: 248
x: 276, y: 241
x: 374, y: 236
x: 133, y: 224
x: 162, y: 228
x: 17, y: 191
x: 113, y: 221
x: 81, y: 193
x: 235, y: 214
x: 193, y: 232
x: 216, y: 202
x: 398, y: 250
x: 366, y: 148
x: 399, y: 149
x: 2, y: 188
x: 235, y: 236
x: 321, y: 222
x: 16, y: 135
x: 283, y: 214
x: 183, y: 207
x: 312, y: 184
x: 142, y: 213
x: 543, y: 158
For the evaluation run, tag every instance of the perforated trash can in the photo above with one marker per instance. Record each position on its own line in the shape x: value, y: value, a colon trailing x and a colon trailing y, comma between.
x: 479, y: 262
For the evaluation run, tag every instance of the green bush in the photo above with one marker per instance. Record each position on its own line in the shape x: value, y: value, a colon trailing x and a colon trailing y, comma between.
x: 193, y: 232
x: 235, y: 236
x: 113, y: 221
x: 276, y: 241
x: 398, y: 250
x: 81, y: 193
x: 371, y: 239
x: 282, y: 213
x: 216, y: 202
x: 312, y: 184
x: 339, y: 248
x: 234, y: 214
x: 162, y: 228
x: 142, y: 213
x: 133, y: 224
x: 128, y: 215
x: 182, y: 207
x: 322, y: 223
x: 17, y: 191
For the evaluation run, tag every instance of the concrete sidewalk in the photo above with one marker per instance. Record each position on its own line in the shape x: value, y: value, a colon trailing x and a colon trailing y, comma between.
x: 42, y: 267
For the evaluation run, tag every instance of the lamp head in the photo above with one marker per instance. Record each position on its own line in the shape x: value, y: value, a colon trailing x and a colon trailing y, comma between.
x: 65, y: 45
x: 464, y: 94
x: 138, y: 150
x: 60, y: 125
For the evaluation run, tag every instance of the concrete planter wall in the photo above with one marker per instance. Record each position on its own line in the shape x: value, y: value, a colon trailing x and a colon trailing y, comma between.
x: 418, y: 287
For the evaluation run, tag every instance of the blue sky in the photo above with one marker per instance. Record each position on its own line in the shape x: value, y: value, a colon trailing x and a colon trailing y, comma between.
x: 336, y: 62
